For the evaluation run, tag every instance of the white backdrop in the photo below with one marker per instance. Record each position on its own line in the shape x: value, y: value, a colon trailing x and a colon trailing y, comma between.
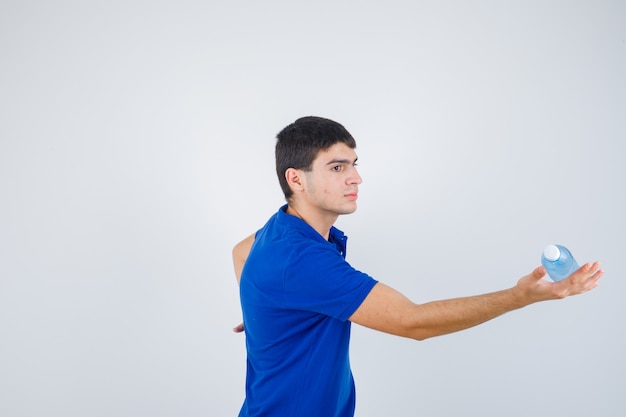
x: 136, y: 148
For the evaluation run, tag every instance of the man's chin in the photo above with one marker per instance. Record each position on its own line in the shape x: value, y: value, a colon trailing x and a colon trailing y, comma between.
x: 348, y: 210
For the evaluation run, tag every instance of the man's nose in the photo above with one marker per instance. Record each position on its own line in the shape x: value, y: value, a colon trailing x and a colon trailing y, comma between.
x: 355, y: 178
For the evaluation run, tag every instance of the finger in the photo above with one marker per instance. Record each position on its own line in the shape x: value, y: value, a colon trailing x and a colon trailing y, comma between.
x: 538, y: 273
x: 591, y: 271
x: 597, y: 274
x: 586, y: 268
x: 238, y: 328
x: 595, y: 267
x: 587, y: 277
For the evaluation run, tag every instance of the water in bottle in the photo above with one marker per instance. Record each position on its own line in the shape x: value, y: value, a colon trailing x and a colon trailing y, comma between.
x: 558, y: 261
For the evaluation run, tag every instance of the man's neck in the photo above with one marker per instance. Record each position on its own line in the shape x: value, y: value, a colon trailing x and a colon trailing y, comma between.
x: 318, y: 220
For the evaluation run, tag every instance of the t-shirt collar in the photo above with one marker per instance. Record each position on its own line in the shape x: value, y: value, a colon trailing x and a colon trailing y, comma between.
x: 336, y: 237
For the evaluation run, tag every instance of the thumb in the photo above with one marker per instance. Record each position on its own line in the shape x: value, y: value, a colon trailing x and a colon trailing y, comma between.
x: 539, y: 273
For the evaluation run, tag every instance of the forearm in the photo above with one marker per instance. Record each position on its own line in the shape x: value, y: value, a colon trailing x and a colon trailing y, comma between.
x: 448, y: 316
x: 388, y: 310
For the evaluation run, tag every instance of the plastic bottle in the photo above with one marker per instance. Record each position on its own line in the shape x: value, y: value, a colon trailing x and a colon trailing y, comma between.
x: 558, y: 261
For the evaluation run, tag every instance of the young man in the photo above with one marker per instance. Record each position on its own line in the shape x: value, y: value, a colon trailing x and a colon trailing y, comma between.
x: 299, y: 296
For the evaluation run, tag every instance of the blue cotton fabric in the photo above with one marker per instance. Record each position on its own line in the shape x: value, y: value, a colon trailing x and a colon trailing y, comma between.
x: 297, y: 293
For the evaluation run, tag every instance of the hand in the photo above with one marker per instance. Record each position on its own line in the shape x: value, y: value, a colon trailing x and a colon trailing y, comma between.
x: 534, y: 288
x: 238, y: 328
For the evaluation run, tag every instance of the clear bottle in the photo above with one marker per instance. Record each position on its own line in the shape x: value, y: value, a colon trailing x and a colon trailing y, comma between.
x: 558, y: 261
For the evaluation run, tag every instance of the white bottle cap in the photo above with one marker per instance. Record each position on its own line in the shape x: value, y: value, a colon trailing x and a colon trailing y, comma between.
x: 551, y: 253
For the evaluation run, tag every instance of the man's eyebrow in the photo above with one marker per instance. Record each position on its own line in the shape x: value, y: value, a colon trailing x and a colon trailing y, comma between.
x: 342, y: 161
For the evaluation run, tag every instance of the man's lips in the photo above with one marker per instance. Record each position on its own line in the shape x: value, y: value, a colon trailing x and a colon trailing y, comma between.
x: 352, y: 196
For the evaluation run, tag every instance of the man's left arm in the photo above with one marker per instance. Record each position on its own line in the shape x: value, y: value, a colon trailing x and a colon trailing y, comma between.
x: 387, y: 310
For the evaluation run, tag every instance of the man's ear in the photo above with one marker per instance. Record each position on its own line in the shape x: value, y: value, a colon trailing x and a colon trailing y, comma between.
x: 295, y: 179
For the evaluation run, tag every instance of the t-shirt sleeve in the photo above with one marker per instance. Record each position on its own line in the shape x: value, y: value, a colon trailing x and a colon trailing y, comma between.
x: 321, y: 280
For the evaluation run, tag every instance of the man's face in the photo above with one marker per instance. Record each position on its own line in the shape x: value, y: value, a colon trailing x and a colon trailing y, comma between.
x: 332, y: 183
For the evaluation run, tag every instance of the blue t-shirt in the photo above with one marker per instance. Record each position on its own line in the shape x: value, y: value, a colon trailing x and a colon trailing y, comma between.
x: 297, y: 293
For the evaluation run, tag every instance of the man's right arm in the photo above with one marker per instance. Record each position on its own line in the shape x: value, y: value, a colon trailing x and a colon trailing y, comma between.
x: 240, y: 254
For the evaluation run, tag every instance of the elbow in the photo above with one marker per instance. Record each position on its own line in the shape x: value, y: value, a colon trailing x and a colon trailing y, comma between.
x: 237, y: 249
x: 242, y: 249
x: 234, y: 253
x: 419, y: 335
x: 411, y: 329
x: 240, y: 252
x: 416, y: 329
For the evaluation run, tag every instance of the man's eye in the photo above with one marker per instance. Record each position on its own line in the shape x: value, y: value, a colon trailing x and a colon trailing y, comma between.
x: 337, y: 168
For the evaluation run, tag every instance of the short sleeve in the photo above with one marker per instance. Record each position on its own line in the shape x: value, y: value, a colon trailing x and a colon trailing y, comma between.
x: 321, y: 280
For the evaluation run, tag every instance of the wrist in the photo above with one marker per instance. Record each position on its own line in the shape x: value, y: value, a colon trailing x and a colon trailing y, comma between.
x: 519, y: 297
